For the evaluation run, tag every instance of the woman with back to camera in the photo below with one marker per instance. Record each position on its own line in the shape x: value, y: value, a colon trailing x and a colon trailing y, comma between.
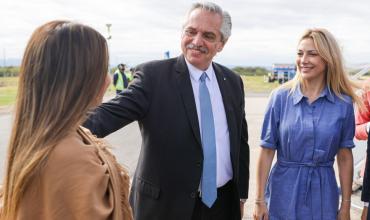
x: 308, y: 121
x: 55, y: 168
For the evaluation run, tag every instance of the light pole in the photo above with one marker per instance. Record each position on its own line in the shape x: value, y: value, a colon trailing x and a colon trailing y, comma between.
x: 108, y: 28
x: 109, y: 37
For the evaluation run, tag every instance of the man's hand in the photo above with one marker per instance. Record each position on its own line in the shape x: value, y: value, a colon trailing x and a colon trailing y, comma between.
x: 241, y: 209
x: 364, y: 213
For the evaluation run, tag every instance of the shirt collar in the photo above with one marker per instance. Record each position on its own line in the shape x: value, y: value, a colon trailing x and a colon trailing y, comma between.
x: 328, y: 94
x: 298, y: 96
x: 196, y: 73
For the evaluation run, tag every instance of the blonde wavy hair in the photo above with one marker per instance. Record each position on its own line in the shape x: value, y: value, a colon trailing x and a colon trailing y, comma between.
x: 63, y: 67
x: 337, y: 78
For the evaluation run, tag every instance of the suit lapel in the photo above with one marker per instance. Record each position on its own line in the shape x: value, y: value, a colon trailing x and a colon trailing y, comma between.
x: 225, y: 86
x: 187, y: 95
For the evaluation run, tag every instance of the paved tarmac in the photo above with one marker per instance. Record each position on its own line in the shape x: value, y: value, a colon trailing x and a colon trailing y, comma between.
x: 127, y: 142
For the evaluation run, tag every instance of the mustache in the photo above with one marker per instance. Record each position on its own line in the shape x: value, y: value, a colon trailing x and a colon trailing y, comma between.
x: 195, y: 47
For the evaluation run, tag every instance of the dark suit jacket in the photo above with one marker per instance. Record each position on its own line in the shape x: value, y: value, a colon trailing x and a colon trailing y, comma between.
x: 169, y: 169
x: 365, y: 195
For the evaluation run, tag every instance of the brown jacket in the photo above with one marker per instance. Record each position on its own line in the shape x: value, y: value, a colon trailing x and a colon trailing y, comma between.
x: 80, y: 180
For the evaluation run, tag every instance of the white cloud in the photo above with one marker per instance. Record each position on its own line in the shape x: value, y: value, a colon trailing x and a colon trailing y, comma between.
x: 264, y: 31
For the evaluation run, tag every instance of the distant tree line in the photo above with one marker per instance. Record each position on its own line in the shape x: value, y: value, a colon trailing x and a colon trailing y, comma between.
x: 9, y: 71
x: 353, y: 72
x: 250, y: 71
x: 13, y: 71
x: 261, y: 71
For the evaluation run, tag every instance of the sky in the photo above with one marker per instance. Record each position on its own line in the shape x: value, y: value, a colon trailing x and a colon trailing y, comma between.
x: 264, y: 31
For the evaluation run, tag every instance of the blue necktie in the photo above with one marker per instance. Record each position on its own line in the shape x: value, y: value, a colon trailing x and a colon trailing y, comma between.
x: 208, y: 185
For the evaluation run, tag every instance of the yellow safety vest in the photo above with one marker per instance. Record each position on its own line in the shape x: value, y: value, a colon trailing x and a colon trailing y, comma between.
x: 119, y: 84
x: 129, y: 76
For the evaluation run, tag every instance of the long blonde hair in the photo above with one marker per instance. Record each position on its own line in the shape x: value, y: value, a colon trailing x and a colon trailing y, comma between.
x: 63, y: 67
x: 336, y: 77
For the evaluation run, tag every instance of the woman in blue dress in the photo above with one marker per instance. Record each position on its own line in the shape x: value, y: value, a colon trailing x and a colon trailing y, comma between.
x: 308, y: 121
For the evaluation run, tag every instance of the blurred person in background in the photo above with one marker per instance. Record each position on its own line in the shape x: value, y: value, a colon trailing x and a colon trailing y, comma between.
x: 362, y: 131
x: 120, y: 80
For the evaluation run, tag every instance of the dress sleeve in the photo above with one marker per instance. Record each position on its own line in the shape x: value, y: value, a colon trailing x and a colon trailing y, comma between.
x: 269, y: 133
x: 77, y: 186
x: 348, y: 128
x: 362, y: 117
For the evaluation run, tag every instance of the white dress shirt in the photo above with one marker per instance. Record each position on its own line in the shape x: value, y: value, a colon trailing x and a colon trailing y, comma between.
x: 224, y: 169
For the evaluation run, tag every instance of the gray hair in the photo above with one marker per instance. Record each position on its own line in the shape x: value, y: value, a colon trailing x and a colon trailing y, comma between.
x: 214, y: 8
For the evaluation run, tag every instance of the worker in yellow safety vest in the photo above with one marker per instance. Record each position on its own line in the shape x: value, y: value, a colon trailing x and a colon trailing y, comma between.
x: 120, y: 80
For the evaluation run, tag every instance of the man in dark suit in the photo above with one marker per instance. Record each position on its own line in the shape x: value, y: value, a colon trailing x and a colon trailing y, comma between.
x: 194, y: 160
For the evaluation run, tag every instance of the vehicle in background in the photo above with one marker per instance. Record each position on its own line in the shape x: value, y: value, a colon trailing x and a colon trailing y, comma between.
x: 281, y: 73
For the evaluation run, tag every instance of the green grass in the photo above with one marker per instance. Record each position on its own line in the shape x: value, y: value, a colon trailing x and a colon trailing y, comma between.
x: 8, y: 90
x: 7, y: 95
x: 111, y: 91
x: 8, y: 81
x: 256, y: 84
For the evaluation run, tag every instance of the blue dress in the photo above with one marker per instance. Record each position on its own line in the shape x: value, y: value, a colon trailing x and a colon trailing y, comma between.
x: 307, y: 137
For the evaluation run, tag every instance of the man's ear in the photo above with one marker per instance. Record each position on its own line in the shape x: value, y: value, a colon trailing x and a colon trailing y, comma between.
x: 221, y: 45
